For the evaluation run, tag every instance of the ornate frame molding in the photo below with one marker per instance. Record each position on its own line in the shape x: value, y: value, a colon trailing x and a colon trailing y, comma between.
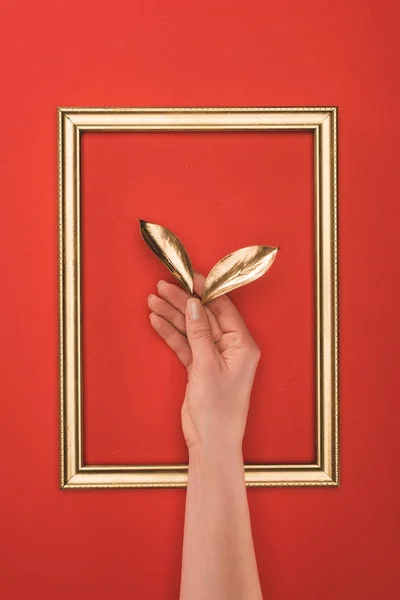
x: 322, y: 121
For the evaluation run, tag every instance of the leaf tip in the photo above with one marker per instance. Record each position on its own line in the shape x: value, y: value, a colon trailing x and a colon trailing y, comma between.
x: 143, y: 226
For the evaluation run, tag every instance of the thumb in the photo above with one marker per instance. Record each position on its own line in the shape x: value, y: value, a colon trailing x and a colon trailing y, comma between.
x: 198, y: 331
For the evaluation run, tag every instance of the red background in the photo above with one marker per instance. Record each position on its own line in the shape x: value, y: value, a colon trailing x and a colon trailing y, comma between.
x: 218, y: 192
x: 312, y: 543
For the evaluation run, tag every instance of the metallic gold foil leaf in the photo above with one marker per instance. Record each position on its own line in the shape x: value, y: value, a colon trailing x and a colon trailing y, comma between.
x: 237, y: 269
x: 170, y: 251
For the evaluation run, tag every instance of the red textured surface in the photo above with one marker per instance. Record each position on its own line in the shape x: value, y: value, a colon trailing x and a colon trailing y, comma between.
x: 310, y: 543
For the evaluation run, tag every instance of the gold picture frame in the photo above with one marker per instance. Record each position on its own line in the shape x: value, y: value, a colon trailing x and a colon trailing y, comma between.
x: 322, y: 121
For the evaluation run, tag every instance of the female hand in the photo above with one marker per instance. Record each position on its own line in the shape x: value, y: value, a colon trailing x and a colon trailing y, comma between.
x: 221, y: 358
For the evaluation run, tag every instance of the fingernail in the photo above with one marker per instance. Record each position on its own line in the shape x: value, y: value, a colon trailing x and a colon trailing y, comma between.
x: 161, y: 282
x: 194, y: 309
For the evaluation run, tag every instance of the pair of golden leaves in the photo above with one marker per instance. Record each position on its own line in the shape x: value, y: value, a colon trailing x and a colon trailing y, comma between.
x: 232, y: 271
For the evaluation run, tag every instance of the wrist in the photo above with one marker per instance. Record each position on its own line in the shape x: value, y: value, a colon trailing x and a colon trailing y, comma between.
x: 220, y: 455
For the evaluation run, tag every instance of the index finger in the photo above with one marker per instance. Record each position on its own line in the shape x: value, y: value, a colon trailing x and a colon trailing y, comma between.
x: 224, y: 310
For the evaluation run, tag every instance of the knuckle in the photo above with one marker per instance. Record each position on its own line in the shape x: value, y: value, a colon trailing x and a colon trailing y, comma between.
x: 255, y: 351
x: 201, y: 332
x: 221, y: 305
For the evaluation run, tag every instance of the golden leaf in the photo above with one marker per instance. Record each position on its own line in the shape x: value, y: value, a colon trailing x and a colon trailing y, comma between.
x: 237, y: 269
x: 170, y: 251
